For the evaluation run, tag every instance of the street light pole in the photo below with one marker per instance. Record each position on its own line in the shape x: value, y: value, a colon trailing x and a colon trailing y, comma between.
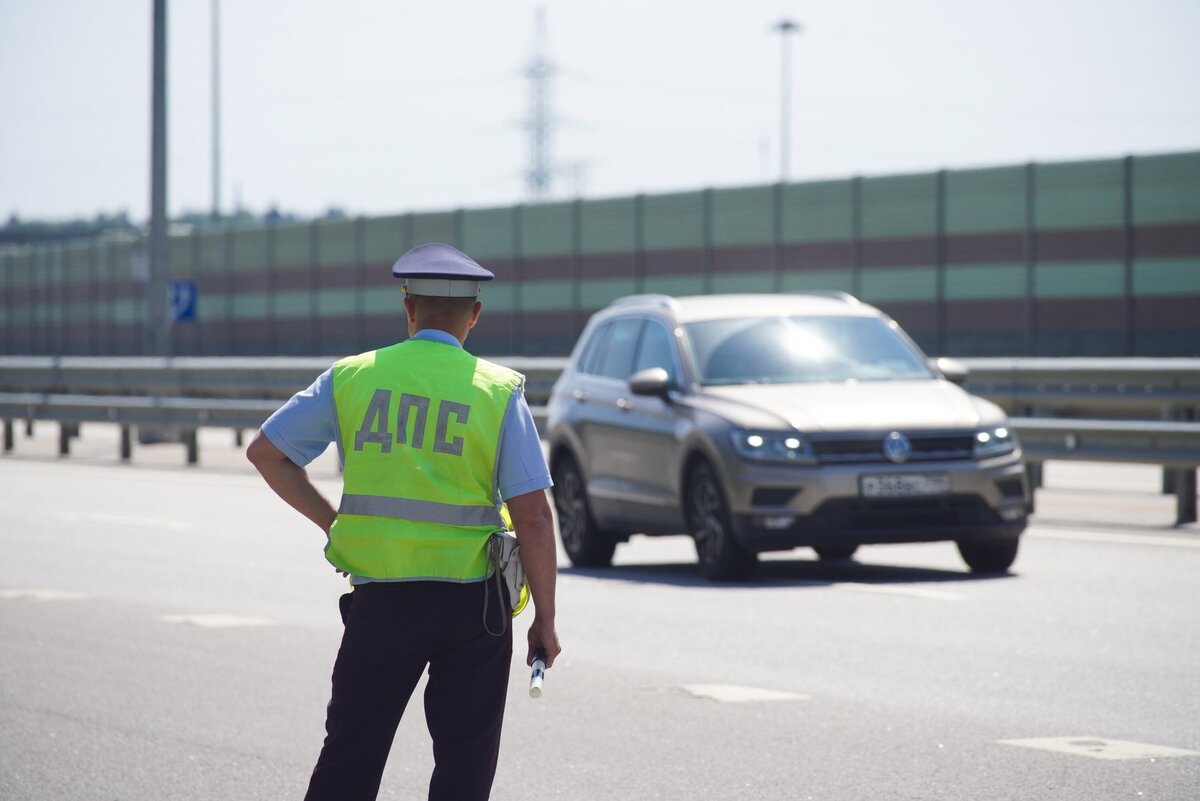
x: 785, y: 27
x: 158, y: 332
x: 216, y: 110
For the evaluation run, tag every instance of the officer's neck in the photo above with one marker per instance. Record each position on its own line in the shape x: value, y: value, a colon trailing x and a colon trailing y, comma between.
x: 459, y: 333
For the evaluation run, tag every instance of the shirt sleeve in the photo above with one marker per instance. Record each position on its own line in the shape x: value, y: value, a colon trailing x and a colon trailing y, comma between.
x: 522, y: 463
x: 304, y: 426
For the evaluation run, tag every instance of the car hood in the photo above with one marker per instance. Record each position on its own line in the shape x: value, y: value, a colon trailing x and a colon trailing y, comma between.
x: 851, y: 406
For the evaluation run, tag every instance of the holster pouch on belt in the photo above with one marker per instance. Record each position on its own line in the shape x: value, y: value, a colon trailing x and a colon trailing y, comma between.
x: 505, y: 554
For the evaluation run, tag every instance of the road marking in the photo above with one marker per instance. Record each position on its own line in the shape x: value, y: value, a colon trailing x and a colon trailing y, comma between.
x: 216, y: 621
x: 736, y: 694
x: 1100, y: 747
x: 888, y: 589
x: 124, y: 520
x: 41, y: 595
x: 1114, y: 538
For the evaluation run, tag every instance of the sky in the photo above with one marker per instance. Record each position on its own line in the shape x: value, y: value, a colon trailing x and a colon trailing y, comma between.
x: 378, y: 107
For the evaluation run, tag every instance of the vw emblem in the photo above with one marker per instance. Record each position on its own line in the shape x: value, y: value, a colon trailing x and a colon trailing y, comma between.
x: 896, y: 447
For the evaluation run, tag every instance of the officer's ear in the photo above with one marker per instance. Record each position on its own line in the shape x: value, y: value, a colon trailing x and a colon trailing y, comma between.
x: 475, y: 314
x: 410, y: 310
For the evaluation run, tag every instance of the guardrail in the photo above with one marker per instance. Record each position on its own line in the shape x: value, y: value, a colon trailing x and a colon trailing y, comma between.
x: 1164, y: 389
x: 206, y: 377
x: 1128, y: 410
x: 1174, y: 445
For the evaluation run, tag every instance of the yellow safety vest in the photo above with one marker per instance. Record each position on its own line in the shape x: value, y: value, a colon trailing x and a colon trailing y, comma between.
x: 419, y: 425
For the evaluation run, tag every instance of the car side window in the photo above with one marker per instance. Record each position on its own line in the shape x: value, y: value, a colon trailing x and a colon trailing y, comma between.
x: 615, y: 359
x: 589, y: 358
x: 655, y: 351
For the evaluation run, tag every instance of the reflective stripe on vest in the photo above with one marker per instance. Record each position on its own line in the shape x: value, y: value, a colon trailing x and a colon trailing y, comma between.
x: 419, y: 425
x: 421, y: 511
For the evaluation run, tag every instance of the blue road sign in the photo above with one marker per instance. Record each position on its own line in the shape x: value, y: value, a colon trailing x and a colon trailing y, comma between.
x: 183, y: 301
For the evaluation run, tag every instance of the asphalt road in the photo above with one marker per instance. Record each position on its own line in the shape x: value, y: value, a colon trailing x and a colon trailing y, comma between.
x: 168, y: 633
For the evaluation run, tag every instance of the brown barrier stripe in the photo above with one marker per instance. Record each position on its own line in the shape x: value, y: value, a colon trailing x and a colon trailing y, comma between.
x: 659, y: 263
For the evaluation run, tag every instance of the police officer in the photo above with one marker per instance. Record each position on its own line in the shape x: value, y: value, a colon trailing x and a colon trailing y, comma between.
x: 435, y: 443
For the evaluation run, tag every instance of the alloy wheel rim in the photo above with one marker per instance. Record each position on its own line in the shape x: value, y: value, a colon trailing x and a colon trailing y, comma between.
x: 707, y: 524
x: 571, y: 511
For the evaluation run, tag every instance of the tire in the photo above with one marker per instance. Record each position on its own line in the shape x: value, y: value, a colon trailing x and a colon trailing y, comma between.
x: 841, y: 550
x: 586, y: 545
x: 989, y: 556
x: 721, y: 557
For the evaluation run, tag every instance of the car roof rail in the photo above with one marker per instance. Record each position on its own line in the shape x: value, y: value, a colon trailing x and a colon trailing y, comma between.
x: 834, y: 294
x: 663, y: 301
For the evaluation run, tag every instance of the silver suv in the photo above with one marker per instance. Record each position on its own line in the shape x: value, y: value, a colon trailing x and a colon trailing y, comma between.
x: 765, y: 422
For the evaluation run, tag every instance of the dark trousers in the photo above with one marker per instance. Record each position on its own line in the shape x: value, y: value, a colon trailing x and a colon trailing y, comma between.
x: 392, y: 632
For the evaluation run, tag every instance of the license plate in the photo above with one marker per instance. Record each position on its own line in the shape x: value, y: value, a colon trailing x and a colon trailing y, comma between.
x: 905, y: 485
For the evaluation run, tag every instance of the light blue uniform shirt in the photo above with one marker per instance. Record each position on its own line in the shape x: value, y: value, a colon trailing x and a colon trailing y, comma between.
x: 304, y: 426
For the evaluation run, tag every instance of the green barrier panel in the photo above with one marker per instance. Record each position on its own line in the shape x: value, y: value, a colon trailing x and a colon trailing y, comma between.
x: 488, y: 233
x: 673, y: 222
x: 822, y: 211
x: 250, y: 250
x: 337, y: 243
x: 899, y: 206
x: 384, y: 239
x: 1085, y: 194
x: 1166, y: 189
x: 985, y: 201
x: 607, y: 226
x: 545, y: 230
x: 438, y: 226
x: 743, y: 216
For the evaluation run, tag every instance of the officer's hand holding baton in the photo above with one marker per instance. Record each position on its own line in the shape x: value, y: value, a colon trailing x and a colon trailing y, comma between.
x: 543, y: 648
x: 537, y: 674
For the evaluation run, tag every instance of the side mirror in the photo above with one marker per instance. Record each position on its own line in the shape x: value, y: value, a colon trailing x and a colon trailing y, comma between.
x: 651, y: 381
x: 952, y: 370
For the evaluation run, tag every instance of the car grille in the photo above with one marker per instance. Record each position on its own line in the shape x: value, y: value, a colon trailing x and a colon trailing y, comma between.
x: 867, y: 448
x: 899, y: 513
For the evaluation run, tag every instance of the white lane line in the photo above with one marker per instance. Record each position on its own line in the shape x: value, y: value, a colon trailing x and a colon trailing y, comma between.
x: 1100, y: 747
x: 736, y: 694
x: 40, y: 595
x: 216, y: 621
x: 1114, y: 538
x: 891, y: 589
x: 159, y: 523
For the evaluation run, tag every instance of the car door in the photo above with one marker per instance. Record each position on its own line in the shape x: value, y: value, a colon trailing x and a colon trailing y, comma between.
x: 602, y: 381
x: 648, y: 426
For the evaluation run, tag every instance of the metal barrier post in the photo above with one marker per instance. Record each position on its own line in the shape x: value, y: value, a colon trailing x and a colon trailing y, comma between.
x: 193, y: 446
x: 1033, y: 472
x: 1185, y: 496
x: 8, y: 435
x: 126, y: 443
x: 64, y: 439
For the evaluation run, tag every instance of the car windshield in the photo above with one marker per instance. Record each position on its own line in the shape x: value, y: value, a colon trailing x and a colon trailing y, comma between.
x: 787, y: 350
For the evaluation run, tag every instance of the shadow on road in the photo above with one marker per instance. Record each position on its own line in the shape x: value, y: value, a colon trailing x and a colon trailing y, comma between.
x: 777, y: 573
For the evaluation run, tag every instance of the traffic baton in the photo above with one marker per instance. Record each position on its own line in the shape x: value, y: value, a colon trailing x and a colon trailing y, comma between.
x: 537, y: 674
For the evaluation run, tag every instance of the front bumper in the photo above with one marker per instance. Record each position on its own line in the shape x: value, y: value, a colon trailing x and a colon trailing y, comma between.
x: 783, y: 507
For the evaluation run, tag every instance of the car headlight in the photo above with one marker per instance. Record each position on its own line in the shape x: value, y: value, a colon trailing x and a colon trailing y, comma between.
x: 784, y: 448
x: 995, y: 441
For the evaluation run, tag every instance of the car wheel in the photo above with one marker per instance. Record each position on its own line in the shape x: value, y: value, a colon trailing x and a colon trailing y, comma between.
x: 721, y: 557
x: 989, y: 556
x: 841, y: 550
x: 586, y: 545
